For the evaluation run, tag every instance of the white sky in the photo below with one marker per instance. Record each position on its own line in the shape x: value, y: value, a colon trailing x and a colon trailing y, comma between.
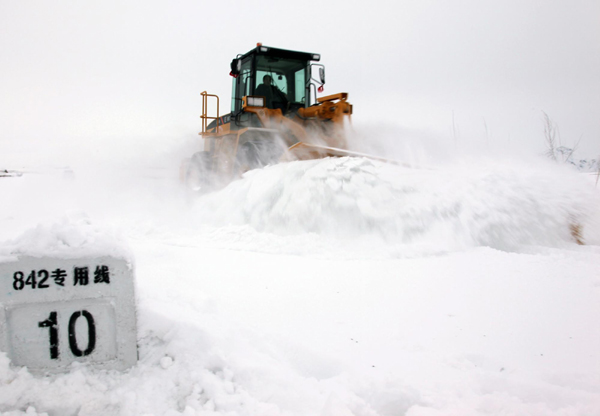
x: 75, y: 72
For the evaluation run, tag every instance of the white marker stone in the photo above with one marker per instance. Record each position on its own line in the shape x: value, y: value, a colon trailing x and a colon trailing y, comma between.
x: 55, y: 311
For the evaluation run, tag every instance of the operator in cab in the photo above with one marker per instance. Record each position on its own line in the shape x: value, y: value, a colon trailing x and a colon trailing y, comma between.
x: 275, y: 98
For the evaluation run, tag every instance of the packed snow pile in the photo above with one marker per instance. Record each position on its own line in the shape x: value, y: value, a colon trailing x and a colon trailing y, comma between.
x: 496, y: 205
x: 72, y: 236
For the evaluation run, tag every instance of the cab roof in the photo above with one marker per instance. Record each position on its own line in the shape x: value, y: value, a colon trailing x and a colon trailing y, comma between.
x: 281, y: 53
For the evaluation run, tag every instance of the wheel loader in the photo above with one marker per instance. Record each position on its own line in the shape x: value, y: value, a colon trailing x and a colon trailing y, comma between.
x: 275, y: 116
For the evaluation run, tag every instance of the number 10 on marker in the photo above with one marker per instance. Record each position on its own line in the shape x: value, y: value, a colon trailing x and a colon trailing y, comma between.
x: 54, y: 334
x: 52, y: 324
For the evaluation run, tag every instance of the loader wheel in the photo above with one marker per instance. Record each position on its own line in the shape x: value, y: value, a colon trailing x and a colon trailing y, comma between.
x: 257, y: 154
x: 248, y: 157
x: 198, y: 176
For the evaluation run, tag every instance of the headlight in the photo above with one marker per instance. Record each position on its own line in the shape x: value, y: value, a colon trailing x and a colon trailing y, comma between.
x: 255, y: 101
x: 316, y: 57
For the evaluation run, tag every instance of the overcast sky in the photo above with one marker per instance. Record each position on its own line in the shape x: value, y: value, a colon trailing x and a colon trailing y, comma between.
x: 121, y: 72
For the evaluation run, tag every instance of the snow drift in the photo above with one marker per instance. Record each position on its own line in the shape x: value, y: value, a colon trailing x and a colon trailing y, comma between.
x: 499, y: 205
x: 73, y: 236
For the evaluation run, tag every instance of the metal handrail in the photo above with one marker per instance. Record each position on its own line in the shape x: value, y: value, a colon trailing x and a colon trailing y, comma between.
x: 204, y: 115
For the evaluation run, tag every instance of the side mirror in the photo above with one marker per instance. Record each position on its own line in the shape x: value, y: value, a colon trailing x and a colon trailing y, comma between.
x: 322, y: 75
x: 236, y: 67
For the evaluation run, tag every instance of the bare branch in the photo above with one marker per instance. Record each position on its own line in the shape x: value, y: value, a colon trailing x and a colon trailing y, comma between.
x: 550, y: 136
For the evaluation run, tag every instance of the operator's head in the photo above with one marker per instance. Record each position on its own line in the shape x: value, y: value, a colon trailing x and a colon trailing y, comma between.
x: 267, y: 80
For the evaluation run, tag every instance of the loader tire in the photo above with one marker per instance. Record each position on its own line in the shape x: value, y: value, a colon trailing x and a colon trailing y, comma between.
x: 248, y: 157
x: 258, y: 154
x: 198, y: 176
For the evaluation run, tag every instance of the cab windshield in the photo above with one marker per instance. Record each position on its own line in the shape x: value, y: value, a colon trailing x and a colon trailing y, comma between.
x: 287, y: 78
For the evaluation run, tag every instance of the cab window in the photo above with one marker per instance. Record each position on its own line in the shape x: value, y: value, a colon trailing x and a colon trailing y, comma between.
x: 300, y: 86
x: 242, y: 85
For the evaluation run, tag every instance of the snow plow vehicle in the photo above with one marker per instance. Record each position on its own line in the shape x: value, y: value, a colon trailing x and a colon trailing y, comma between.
x: 275, y: 116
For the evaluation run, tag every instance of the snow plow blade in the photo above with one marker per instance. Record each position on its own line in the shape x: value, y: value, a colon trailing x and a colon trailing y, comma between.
x: 307, y: 151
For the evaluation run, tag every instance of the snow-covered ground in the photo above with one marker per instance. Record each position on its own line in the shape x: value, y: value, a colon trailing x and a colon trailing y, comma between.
x: 332, y: 287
